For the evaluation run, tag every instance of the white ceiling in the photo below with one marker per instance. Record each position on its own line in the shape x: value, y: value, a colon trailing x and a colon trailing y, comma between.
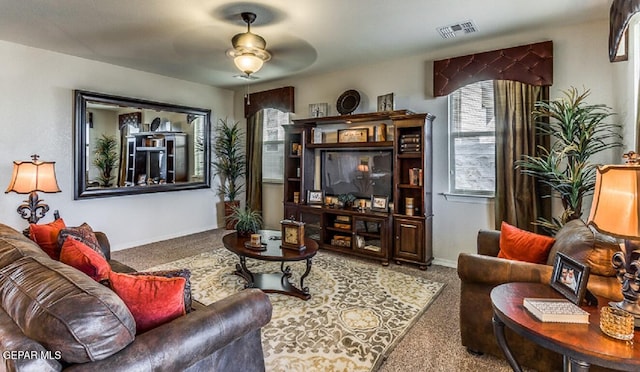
x: 187, y: 39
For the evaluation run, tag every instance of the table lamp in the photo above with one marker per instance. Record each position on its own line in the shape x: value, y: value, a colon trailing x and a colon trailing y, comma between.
x: 616, y: 211
x: 29, y: 177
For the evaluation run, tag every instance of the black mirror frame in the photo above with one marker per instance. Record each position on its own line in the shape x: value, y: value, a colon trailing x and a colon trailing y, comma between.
x: 80, y: 190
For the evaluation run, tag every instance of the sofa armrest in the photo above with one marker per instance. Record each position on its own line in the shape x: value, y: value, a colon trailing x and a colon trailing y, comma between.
x: 184, y: 341
x: 493, y: 270
x: 488, y: 242
x: 104, y: 244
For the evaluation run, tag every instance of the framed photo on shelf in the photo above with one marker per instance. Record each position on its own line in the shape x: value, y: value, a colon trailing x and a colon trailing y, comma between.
x: 386, y: 102
x: 318, y: 110
x: 353, y: 135
x: 569, y: 277
x: 315, y: 197
x: 379, y: 203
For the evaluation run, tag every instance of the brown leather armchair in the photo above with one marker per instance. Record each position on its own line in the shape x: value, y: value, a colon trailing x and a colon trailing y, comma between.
x: 482, y: 271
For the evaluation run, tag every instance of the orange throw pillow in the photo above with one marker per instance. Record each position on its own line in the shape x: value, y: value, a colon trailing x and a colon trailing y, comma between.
x: 521, y: 245
x: 76, y: 254
x: 46, y: 236
x: 153, y: 300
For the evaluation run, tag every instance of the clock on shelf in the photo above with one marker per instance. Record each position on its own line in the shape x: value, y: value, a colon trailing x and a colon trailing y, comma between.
x: 292, y: 234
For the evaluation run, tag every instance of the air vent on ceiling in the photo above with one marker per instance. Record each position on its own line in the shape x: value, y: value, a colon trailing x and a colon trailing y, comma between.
x: 463, y: 28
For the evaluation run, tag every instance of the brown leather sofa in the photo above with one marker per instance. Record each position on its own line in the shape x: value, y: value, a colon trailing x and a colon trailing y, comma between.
x: 54, y: 317
x: 481, y: 272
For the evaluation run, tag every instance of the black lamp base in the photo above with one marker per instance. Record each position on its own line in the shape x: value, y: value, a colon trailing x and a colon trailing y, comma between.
x: 33, y: 209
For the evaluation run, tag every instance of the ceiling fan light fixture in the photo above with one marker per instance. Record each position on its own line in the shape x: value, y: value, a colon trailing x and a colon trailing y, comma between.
x: 248, y: 63
x: 249, y: 50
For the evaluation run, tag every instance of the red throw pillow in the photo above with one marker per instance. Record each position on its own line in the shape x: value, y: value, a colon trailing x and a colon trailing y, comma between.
x: 153, y: 300
x: 46, y: 236
x: 76, y: 254
x: 521, y: 245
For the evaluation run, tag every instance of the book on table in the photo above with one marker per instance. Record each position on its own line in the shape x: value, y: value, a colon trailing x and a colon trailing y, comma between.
x: 555, y: 310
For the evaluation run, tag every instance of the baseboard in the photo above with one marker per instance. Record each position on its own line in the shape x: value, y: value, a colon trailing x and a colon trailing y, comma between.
x: 447, y: 263
x: 157, y: 238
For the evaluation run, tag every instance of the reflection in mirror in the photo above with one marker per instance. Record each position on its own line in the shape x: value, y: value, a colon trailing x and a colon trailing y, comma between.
x: 127, y: 146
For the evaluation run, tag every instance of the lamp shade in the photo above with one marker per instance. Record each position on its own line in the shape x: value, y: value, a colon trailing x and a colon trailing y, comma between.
x: 29, y: 176
x: 615, y: 209
x: 248, y: 63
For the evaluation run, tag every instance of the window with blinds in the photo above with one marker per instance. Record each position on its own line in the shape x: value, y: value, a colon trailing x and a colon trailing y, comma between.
x: 273, y: 145
x: 472, y: 140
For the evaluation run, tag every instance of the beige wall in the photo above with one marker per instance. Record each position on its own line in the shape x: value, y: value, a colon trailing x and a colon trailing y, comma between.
x: 36, y: 116
x: 580, y: 59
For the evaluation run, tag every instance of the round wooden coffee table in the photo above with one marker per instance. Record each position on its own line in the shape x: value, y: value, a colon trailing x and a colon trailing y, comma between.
x: 272, y: 282
x: 580, y: 344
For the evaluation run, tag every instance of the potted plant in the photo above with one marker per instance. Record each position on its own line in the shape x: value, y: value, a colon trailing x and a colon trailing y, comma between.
x: 578, y: 132
x: 229, y: 164
x: 106, y: 158
x: 245, y: 221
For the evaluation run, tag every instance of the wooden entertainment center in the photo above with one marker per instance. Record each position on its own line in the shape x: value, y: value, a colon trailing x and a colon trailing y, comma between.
x: 403, y: 230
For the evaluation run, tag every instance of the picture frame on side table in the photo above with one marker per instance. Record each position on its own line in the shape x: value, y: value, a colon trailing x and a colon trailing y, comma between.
x: 386, y: 102
x: 315, y: 197
x: 570, y: 277
x: 379, y: 203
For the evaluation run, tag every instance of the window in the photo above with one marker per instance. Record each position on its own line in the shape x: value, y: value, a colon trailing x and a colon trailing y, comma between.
x: 472, y: 140
x: 273, y: 145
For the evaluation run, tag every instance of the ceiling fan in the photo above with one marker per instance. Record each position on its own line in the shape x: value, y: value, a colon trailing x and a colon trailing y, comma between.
x: 249, y: 50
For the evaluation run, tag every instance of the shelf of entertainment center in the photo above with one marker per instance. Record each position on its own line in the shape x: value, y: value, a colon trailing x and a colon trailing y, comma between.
x: 352, y: 145
x: 363, y: 233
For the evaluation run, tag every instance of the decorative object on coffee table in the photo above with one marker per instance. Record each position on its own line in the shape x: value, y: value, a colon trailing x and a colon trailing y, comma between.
x: 616, y: 211
x: 29, y: 177
x: 570, y: 278
x: 292, y: 234
x: 245, y: 221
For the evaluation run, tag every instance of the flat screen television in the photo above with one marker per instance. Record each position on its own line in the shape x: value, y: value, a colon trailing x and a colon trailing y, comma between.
x: 359, y: 172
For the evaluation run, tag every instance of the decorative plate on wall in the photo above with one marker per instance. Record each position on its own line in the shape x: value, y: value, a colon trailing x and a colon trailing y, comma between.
x: 348, y: 102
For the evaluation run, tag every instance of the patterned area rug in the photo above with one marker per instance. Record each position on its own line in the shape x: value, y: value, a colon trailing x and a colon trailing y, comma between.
x: 356, y: 314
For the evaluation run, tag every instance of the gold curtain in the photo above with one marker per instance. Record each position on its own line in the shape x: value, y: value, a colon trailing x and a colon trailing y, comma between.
x: 518, y: 199
x: 254, y: 160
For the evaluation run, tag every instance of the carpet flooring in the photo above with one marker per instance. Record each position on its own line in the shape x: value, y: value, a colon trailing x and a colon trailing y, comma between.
x: 356, y: 313
x: 431, y: 344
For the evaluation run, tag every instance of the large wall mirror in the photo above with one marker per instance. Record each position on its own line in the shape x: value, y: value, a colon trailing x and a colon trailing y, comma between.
x: 128, y: 146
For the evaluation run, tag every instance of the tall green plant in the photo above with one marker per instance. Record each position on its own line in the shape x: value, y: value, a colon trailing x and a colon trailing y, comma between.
x: 106, y: 158
x: 578, y: 132
x: 229, y: 162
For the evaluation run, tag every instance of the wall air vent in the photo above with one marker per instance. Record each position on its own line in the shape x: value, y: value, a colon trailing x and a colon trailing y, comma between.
x: 462, y: 28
